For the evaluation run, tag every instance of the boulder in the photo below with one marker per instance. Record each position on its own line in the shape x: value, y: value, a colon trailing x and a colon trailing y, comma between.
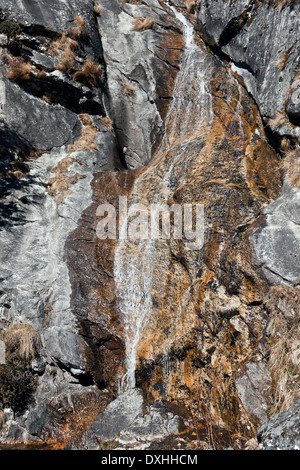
x: 282, y: 431
x: 129, y: 422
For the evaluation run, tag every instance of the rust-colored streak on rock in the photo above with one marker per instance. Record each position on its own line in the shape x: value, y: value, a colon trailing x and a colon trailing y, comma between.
x: 91, y: 270
x: 208, y: 317
x: 166, y: 64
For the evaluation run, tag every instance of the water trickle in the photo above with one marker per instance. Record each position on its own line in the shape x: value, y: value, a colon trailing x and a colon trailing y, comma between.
x: 135, y: 260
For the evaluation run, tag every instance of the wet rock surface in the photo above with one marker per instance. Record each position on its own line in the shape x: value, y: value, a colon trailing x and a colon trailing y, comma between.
x: 156, y: 124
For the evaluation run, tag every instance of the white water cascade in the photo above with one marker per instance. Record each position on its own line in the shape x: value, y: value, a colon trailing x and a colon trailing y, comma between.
x: 134, y: 261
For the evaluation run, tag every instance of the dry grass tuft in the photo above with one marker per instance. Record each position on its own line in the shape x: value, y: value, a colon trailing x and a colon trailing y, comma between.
x: 284, y: 330
x: 86, y: 142
x: 190, y: 5
x: 65, y: 47
x: 41, y: 74
x: 97, y: 9
x: 128, y: 89
x: 279, y: 120
x: 61, y: 44
x: 282, y: 61
x: 142, y: 24
x: 291, y: 166
x: 107, y: 123
x: 18, y: 174
x: 18, y: 70
x: 285, y: 145
x: 79, y: 30
x: 67, y: 61
x: 47, y: 99
x: 58, y: 185
x: 2, y: 419
x: 86, y: 119
x: 90, y: 74
x: 22, y: 339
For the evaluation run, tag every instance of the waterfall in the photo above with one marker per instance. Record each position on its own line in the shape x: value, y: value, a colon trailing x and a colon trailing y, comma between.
x: 135, y: 260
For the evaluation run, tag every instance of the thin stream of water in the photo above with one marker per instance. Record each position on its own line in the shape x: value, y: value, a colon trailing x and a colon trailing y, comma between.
x: 134, y: 261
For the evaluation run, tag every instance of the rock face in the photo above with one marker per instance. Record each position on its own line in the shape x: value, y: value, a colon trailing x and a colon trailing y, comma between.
x: 202, y: 310
x: 163, y: 105
x: 282, y: 431
x: 127, y: 422
x: 276, y: 238
x: 261, y: 40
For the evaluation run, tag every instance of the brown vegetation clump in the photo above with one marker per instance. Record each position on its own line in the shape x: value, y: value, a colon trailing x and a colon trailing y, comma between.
x: 97, y: 9
x: 291, y: 165
x: 190, y: 5
x: 2, y: 419
x: 17, y: 174
x: 128, y: 89
x: 79, y: 30
x: 90, y: 74
x: 58, y: 185
x: 86, y: 119
x: 282, y: 61
x: 47, y: 99
x: 142, y: 24
x: 41, y: 74
x: 17, y: 380
x: 107, y: 123
x: 61, y: 44
x: 285, y: 145
x: 280, y: 119
x: 284, y: 331
x: 23, y: 340
x: 88, y: 136
x: 65, y: 47
x: 67, y: 61
x: 18, y: 70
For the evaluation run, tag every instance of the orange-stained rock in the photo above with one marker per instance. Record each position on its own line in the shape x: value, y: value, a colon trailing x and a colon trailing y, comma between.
x: 207, y: 318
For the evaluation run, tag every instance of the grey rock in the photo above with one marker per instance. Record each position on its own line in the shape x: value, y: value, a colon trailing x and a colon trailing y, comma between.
x: 155, y: 424
x: 44, y: 60
x: 276, y: 239
x: 38, y: 365
x: 119, y: 414
x: 129, y: 422
x: 38, y: 418
x: 129, y: 62
x: 58, y: 17
x: 65, y: 346
x: 293, y: 105
x: 253, y: 388
x: 282, y: 431
x: 264, y: 45
x: 43, y: 125
x: 3, y: 40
